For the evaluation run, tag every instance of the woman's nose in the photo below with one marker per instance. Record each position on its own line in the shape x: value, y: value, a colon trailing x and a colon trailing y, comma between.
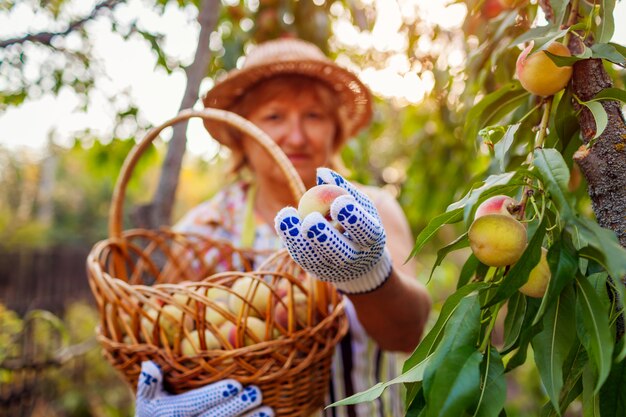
x: 296, y: 134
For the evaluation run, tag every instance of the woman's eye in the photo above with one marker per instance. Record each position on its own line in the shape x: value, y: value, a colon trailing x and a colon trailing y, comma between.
x: 316, y: 115
x: 271, y: 117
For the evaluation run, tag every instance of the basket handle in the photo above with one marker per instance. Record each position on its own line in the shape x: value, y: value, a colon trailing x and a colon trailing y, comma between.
x: 115, y: 213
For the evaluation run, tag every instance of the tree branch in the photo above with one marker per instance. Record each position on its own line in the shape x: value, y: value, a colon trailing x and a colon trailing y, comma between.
x: 45, y: 38
x: 159, y: 211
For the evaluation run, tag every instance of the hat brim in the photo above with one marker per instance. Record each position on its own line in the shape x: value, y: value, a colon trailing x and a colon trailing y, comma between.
x: 355, y: 102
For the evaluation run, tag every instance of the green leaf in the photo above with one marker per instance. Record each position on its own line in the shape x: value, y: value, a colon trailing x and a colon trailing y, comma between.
x: 528, y: 331
x: 416, y: 373
x: 455, y: 384
x: 435, y: 224
x: 492, y: 108
x: 460, y: 243
x: 468, y: 270
x: 417, y: 403
x: 504, y: 145
x: 493, y: 385
x: 599, y: 116
x: 606, y: 28
x: 559, y: 9
x: 553, y: 343
x: 518, y: 274
x: 621, y: 49
x: 453, y: 357
x: 600, y: 244
x: 591, y: 400
x: 572, y: 385
x: 565, y: 120
x: 592, y: 315
x: 568, y: 61
x: 449, y: 309
x: 611, y: 94
x: 541, y: 35
x: 610, y: 52
x: 514, y: 320
x: 613, y: 394
x: 494, y: 184
x: 555, y: 177
x: 563, y: 262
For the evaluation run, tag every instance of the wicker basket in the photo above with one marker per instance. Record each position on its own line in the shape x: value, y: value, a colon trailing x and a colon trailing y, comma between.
x: 161, y: 297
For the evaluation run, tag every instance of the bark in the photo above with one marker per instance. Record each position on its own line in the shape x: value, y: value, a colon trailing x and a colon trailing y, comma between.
x: 45, y: 38
x: 604, y: 163
x: 159, y: 211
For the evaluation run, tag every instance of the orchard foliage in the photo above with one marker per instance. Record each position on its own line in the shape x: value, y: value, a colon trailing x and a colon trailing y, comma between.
x: 573, y: 333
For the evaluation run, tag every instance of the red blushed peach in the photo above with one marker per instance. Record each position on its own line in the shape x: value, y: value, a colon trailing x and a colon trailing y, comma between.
x: 498, y: 204
x: 319, y: 199
x: 538, y: 74
x: 491, y: 8
x: 254, y: 326
x: 497, y: 239
x: 539, y: 277
x: 300, y: 311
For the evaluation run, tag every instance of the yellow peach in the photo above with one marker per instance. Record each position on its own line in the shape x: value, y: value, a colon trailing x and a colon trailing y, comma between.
x: 497, y: 239
x: 192, y: 344
x: 539, y: 277
x: 539, y: 75
x: 255, y: 293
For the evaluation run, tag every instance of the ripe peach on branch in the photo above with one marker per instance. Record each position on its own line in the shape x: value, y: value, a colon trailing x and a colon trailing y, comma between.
x: 539, y: 277
x: 538, y: 74
x: 496, y: 237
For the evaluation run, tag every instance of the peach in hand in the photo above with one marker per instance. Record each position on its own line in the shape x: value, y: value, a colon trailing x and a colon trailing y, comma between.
x: 497, y: 239
x: 319, y: 199
x: 498, y: 204
x: 538, y: 74
x: 539, y: 277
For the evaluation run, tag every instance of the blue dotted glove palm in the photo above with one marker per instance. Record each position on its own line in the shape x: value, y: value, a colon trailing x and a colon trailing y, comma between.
x: 356, y: 260
x: 224, y: 398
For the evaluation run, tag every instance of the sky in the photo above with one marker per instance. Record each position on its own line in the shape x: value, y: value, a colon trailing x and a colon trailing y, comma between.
x: 130, y: 67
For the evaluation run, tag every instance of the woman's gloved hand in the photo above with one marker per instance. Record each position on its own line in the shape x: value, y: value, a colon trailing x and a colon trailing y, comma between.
x: 356, y: 260
x: 225, y: 398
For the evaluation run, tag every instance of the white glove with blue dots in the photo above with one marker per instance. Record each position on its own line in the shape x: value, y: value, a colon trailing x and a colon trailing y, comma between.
x: 356, y: 260
x: 225, y: 398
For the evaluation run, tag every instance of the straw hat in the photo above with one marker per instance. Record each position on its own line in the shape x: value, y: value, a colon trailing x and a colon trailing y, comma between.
x: 292, y: 56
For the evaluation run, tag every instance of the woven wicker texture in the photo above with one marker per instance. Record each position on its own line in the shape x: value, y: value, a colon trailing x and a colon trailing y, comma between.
x: 160, y: 297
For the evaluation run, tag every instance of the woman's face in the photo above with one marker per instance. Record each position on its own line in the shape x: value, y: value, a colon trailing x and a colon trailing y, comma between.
x: 303, y: 128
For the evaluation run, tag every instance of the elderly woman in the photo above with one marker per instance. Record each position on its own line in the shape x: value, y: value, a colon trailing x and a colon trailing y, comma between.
x: 310, y: 107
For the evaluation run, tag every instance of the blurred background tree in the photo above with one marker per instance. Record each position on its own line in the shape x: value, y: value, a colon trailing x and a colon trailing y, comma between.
x: 442, y: 58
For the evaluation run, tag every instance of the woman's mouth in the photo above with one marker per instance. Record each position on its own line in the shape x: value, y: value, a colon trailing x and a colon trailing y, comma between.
x: 298, y: 157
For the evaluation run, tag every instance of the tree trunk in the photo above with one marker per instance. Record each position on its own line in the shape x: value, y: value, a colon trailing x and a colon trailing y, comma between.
x: 604, y: 163
x: 159, y: 211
